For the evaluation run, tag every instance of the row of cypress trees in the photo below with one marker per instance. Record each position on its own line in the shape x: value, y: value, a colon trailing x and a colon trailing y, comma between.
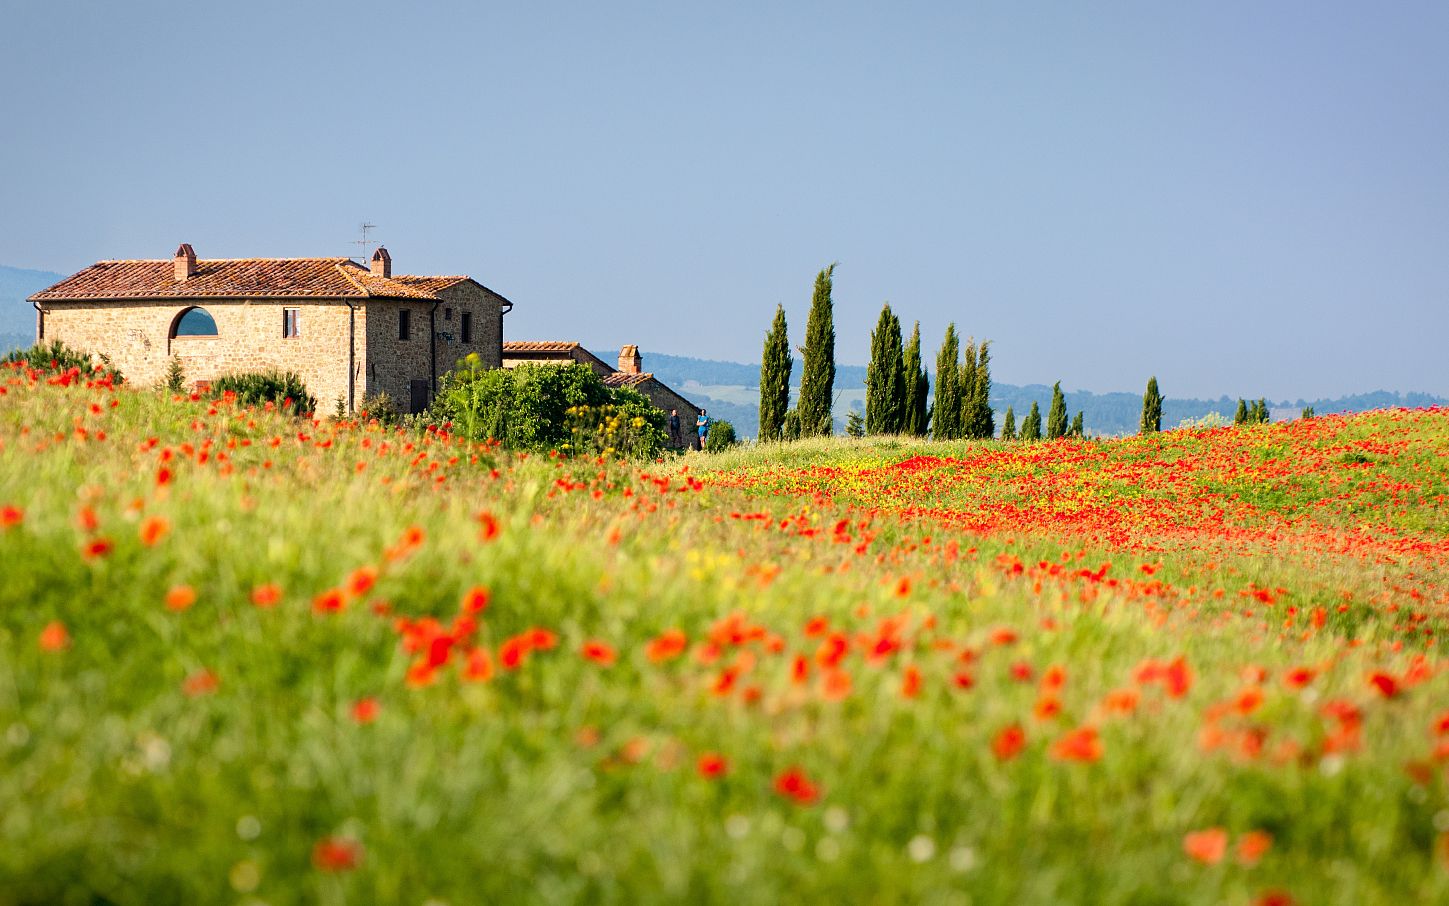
x: 811, y: 415
x: 1056, y: 427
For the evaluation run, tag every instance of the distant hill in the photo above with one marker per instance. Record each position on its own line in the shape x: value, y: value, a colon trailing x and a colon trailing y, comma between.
x: 730, y: 390
x: 17, y: 318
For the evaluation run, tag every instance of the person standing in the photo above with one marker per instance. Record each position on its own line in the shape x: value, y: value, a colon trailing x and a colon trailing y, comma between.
x: 674, y: 439
x: 702, y: 423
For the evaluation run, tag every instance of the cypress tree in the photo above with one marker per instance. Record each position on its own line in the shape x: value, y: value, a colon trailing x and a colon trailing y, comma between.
x: 1076, y: 430
x: 1307, y: 412
x: 885, y: 379
x: 817, y: 382
x: 917, y: 386
x: 1151, y: 409
x: 1056, y: 425
x: 946, y: 413
x: 1008, y: 425
x: 1031, y: 425
x: 966, y: 388
x: 1262, y: 411
x: 983, y: 421
x: 1241, y: 416
x: 775, y: 378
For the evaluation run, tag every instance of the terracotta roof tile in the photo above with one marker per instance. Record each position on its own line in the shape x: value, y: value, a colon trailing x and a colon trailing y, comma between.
x: 627, y: 378
x: 539, y: 346
x: 231, y: 277
x: 430, y: 284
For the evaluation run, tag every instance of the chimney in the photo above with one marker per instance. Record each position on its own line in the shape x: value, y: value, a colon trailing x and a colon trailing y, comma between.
x: 381, y: 263
x: 630, y: 361
x: 184, y: 264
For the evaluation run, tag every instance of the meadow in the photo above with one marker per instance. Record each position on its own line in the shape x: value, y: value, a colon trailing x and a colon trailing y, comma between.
x: 249, y: 658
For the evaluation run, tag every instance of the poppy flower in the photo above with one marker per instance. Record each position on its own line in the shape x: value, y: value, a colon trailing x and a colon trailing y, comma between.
x: 361, y: 581
x: 10, y: 516
x: 180, y: 597
x: 1386, y: 685
x: 542, y: 639
x: 365, y: 710
x: 712, y: 765
x: 910, y: 681
x: 54, y: 636
x: 475, y: 600
x: 478, y: 666
x: 1253, y: 845
x: 1080, y: 744
x: 336, y: 854
x: 96, y: 548
x: 1206, y: 846
x: 793, y: 783
x: 266, y: 595
x: 202, y: 682
x: 153, y: 529
x: 487, y: 526
x: 669, y: 644
x: 1009, y: 743
x: 330, y: 601
x: 600, y: 653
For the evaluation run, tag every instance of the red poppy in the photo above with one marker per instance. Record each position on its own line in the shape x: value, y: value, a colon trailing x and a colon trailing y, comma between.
x: 475, y: 600
x: 1386, y: 685
x: 266, y: 595
x: 488, y: 526
x: 153, y: 529
x: 365, y: 710
x: 712, y: 765
x: 11, y: 516
x: 910, y: 681
x: 478, y: 667
x: 1009, y: 743
x: 96, y: 548
x: 669, y: 644
x: 793, y: 783
x: 361, y: 581
x: 330, y: 601
x: 334, y: 854
x: 1253, y: 845
x: 54, y: 636
x: 180, y: 597
x: 202, y: 682
x: 1206, y: 846
x: 1080, y: 744
x: 600, y: 653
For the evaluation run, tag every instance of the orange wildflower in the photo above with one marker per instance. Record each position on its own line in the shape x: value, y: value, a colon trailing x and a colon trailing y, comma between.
x: 1253, y: 845
x: 365, y: 710
x: 54, y: 636
x: 1206, y: 846
x: 1080, y: 744
x: 180, y: 597
x: 153, y: 529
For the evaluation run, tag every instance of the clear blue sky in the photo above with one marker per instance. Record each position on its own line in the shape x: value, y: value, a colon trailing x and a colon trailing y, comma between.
x: 1243, y: 198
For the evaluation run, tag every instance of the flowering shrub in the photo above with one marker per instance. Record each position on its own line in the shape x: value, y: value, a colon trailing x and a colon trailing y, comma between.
x: 283, y: 389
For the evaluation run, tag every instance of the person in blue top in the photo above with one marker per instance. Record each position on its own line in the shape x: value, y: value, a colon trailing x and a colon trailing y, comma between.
x: 702, y: 423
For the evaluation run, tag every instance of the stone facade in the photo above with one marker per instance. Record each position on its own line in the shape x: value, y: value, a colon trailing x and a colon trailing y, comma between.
x: 348, y: 340
x: 137, y: 337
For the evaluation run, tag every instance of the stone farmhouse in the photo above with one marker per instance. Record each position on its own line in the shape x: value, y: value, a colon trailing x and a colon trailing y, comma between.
x: 349, y: 331
x: 629, y: 373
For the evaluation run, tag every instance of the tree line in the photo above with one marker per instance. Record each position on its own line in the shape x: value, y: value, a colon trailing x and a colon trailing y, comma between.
x: 898, y: 398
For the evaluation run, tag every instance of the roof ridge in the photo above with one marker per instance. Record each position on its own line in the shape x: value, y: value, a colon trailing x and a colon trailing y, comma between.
x: 336, y: 258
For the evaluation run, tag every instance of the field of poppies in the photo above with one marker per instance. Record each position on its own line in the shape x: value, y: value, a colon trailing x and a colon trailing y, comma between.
x: 257, y: 659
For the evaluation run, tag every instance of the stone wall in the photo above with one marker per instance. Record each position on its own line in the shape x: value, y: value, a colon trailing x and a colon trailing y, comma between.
x: 136, y: 335
x: 393, y: 363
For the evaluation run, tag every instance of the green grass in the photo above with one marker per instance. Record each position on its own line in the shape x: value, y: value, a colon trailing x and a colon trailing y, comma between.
x: 569, y: 781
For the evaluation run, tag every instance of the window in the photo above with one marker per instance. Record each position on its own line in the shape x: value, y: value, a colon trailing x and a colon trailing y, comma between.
x: 447, y: 314
x: 193, y: 322
x: 467, y: 327
x: 404, y: 325
x: 289, y: 322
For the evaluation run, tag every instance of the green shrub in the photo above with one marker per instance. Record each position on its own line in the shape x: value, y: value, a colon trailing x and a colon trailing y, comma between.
x: 175, y: 380
x: 59, y: 357
x: 547, y: 407
x: 285, y: 389
x: 380, y: 407
x: 721, y: 436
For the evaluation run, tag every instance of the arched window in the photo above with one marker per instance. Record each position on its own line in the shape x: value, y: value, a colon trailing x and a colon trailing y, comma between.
x: 193, y: 322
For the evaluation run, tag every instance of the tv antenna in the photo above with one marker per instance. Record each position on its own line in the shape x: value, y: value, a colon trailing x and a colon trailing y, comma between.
x: 362, y: 243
